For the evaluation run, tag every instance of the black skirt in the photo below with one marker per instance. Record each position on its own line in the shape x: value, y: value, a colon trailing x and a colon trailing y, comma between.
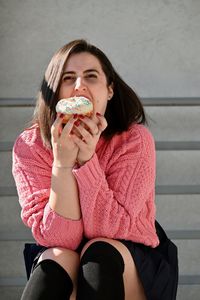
x: 157, y: 267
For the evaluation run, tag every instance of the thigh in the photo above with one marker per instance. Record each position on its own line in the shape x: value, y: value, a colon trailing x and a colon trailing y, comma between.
x: 33, y: 254
x: 132, y: 282
x: 68, y: 259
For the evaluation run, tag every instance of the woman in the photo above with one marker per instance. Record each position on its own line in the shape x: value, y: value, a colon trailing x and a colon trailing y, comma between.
x: 87, y: 189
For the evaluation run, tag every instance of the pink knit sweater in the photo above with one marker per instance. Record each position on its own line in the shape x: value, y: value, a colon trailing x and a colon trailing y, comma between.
x: 116, y: 190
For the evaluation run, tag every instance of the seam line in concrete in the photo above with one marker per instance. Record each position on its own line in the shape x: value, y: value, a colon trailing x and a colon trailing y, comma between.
x: 147, y: 101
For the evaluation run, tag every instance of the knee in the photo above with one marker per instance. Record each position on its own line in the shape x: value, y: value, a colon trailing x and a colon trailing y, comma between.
x: 105, y: 255
x: 66, y: 258
x: 101, y: 272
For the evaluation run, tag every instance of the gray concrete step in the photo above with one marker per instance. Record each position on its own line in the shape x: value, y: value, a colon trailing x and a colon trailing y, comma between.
x: 178, y: 167
x: 9, y: 206
x: 188, y: 292
x: 178, y: 212
x: 189, y: 257
x: 11, y: 259
x: 166, y: 123
x: 6, y: 164
x: 13, y: 121
x: 11, y: 292
x: 173, y: 123
x: 173, y: 168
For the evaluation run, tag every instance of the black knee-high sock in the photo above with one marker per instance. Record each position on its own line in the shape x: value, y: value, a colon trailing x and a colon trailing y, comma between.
x: 48, y: 281
x: 101, y: 273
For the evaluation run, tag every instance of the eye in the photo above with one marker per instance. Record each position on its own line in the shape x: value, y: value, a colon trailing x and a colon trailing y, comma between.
x: 91, y: 76
x: 68, y: 78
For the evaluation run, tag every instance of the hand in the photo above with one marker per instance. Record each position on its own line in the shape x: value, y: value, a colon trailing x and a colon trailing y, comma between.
x: 89, y: 131
x: 65, y: 150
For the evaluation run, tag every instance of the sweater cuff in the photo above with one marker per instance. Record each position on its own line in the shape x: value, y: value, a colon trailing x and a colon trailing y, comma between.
x: 61, y: 231
x: 90, y: 174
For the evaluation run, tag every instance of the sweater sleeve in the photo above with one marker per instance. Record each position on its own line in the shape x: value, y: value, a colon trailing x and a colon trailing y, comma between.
x: 113, y: 201
x: 32, y: 173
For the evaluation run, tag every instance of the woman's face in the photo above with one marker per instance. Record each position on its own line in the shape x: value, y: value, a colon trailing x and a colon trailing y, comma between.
x: 83, y: 76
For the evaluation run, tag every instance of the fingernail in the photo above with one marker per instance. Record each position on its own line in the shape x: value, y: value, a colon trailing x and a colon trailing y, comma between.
x: 77, y: 123
x: 81, y: 117
x: 75, y: 116
x: 98, y: 114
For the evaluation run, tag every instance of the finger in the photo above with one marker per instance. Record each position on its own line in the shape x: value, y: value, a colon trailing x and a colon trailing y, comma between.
x: 55, y: 128
x: 85, y: 134
x: 75, y: 131
x: 91, y: 124
x: 67, y: 128
x: 102, y: 122
x: 80, y: 142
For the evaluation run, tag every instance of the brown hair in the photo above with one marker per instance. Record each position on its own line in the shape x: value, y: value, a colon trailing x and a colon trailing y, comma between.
x: 122, y: 110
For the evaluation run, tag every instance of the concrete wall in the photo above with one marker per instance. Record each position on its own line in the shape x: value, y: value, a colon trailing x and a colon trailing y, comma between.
x: 154, y: 44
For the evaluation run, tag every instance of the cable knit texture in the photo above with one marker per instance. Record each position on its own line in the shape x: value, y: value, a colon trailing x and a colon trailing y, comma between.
x: 116, y: 190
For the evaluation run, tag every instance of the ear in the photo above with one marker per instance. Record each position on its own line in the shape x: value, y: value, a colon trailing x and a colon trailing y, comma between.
x: 110, y: 91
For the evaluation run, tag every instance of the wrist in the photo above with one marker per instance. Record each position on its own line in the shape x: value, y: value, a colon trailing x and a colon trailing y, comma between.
x: 62, y: 166
x: 82, y: 162
x: 58, y: 165
x: 59, y: 170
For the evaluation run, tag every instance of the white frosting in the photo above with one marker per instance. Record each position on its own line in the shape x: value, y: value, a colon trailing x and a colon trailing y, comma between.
x: 74, y: 105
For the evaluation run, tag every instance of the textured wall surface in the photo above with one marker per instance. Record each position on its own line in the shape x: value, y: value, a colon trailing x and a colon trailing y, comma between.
x: 155, y: 45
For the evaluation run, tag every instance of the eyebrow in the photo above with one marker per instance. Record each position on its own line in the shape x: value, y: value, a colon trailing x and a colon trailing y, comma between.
x: 91, y: 70
x: 86, y: 71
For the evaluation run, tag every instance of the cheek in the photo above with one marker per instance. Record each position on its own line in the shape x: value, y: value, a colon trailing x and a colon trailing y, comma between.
x: 64, y: 92
x: 100, y: 106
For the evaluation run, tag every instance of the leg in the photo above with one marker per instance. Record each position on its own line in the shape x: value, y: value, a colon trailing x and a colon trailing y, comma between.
x: 132, y: 284
x: 68, y: 259
x: 101, y: 273
x: 54, y: 276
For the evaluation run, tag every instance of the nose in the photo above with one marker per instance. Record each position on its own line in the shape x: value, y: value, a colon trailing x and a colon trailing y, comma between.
x: 79, y: 85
